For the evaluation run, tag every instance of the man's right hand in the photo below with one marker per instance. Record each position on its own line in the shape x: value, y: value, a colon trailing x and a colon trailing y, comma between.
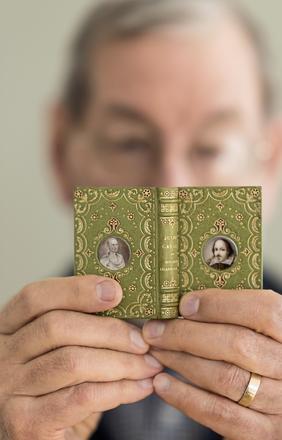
x: 60, y: 366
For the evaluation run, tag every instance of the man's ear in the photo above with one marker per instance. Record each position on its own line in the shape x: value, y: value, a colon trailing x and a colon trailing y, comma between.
x: 270, y: 155
x: 274, y: 135
x: 59, y: 131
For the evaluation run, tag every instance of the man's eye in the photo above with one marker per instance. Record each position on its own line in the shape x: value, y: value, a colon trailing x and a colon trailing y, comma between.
x: 131, y: 145
x: 206, y: 153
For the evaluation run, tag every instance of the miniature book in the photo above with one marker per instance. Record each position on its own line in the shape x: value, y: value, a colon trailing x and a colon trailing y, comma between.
x: 160, y: 243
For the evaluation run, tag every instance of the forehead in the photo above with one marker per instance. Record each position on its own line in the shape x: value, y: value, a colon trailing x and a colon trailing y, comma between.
x: 220, y: 242
x: 175, y: 75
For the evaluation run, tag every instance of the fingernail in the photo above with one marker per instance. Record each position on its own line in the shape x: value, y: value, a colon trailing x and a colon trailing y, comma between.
x: 137, y: 339
x: 161, y: 383
x: 145, y: 383
x: 106, y: 291
x: 189, y: 306
x: 154, y: 329
x: 152, y: 362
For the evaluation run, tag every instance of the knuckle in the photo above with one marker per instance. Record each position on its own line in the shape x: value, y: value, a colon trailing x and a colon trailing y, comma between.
x: 77, y: 287
x: 230, y: 379
x: 66, y: 362
x: 273, y: 315
x: 221, y: 411
x: 69, y: 361
x: 116, y: 326
x: 245, y: 346
x: 81, y: 288
x: 50, y: 325
x: 213, y: 408
x: 84, y: 393
x: 182, y: 400
x: 26, y: 298
x: 217, y: 410
x: 178, y: 332
x: 112, y: 326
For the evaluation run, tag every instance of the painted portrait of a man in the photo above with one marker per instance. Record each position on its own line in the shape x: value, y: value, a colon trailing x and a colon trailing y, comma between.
x: 223, y: 254
x: 111, y: 256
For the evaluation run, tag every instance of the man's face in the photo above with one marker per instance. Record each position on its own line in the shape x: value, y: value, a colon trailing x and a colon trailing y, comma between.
x: 220, y: 250
x: 171, y: 108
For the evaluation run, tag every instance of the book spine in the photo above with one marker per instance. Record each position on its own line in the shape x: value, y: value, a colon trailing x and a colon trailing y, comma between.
x: 168, y: 252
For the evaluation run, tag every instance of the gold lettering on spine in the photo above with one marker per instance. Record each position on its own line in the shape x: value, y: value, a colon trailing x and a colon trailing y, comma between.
x: 171, y: 208
x: 168, y: 252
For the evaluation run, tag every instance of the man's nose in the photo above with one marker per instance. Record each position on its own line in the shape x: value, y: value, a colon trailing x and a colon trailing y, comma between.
x: 171, y: 171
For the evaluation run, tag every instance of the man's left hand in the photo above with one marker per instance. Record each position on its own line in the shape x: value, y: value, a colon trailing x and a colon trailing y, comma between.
x: 224, y: 337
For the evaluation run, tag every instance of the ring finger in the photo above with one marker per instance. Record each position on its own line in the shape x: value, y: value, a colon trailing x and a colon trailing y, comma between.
x: 237, y: 345
x: 224, y: 379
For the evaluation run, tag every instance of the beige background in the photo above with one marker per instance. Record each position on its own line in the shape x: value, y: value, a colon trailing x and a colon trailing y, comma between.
x: 36, y: 231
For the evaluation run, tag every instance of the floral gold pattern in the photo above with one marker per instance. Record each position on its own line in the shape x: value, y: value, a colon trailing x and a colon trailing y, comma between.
x: 166, y: 231
x: 113, y: 206
x: 240, y: 221
x: 169, y: 221
x: 239, y: 217
x: 137, y: 278
x: 220, y: 224
x: 94, y: 217
x: 113, y: 223
x: 220, y: 206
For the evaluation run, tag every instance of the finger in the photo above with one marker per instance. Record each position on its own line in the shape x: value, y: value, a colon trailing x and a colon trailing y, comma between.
x: 56, y: 412
x: 73, y: 365
x: 217, y: 413
x: 82, y: 293
x: 230, y: 343
x: 260, y: 310
x: 85, y: 428
x: 60, y: 328
x: 68, y: 407
x: 223, y: 379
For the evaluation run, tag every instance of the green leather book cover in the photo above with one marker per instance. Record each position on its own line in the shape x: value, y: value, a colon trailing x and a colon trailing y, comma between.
x: 220, y: 238
x: 159, y: 243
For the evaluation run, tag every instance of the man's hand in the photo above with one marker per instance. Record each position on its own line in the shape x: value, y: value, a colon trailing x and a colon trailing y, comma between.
x: 225, y: 336
x: 60, y: 366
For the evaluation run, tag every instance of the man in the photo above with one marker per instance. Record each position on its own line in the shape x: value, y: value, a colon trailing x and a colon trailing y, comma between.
x: 223, y: 256
x: 164, y: 93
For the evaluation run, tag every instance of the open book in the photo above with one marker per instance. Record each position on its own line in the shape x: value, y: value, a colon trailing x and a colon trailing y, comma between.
x: 160, y: 243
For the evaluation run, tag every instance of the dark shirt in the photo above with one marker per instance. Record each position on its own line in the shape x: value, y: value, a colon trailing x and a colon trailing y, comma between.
x: 150, y: 419
x: 270, y: 283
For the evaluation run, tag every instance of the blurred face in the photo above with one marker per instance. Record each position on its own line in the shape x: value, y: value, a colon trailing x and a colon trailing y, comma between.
x: 113, y: 244
x: 170, y: 108
x: 220, y: 250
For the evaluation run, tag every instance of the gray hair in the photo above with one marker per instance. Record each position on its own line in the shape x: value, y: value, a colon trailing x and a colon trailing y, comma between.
x: 118, y: 19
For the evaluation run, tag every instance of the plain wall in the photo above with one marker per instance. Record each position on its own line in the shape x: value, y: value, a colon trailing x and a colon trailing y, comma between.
x: 36, y: 230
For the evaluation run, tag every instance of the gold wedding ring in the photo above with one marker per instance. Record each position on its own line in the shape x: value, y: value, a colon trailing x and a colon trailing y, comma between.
x: 251, y: 390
